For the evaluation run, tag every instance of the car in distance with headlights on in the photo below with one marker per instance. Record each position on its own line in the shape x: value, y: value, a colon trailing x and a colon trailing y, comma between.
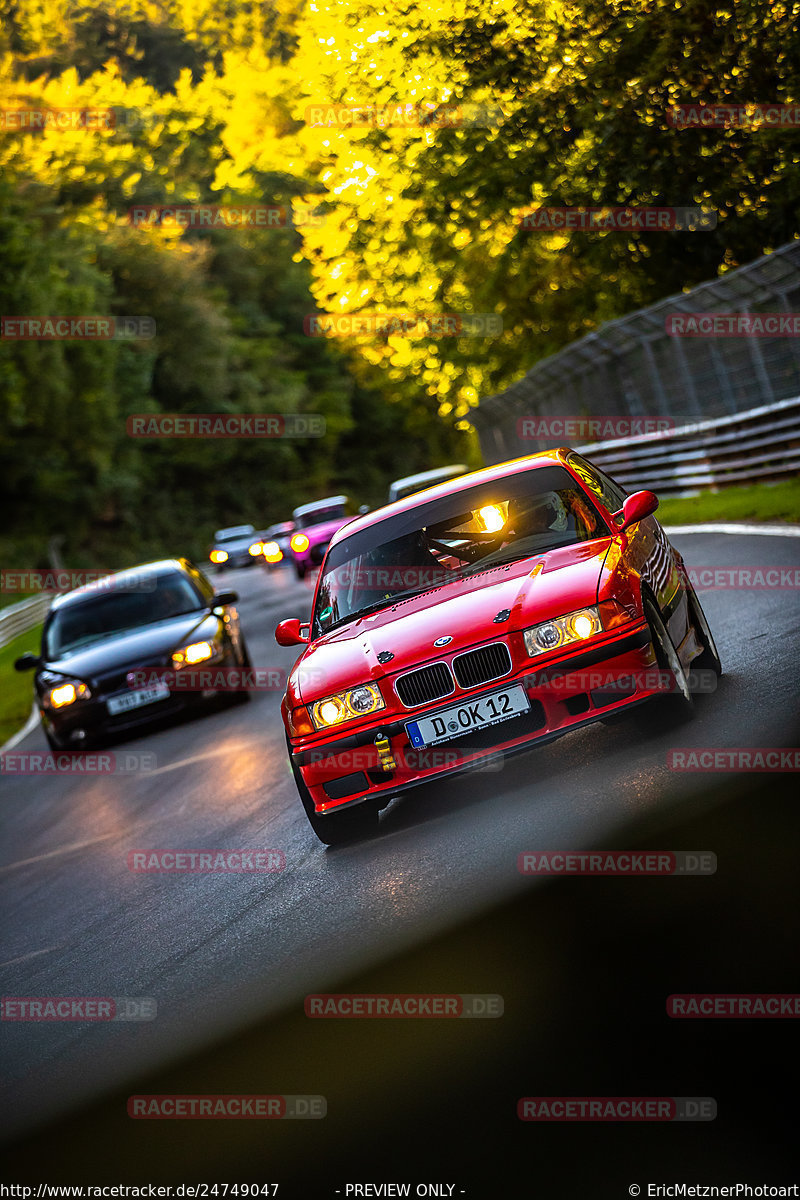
x: 474, y: 620
x: 239, y: 546
x: 275, y: 548
x: 113, y: 652
x: 315, y: 525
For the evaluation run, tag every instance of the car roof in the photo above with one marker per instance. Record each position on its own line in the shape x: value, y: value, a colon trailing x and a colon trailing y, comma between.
x: 236, y: 531
x: 161, y: 566
x: 432, y: 476
x: 327, y: 503
x: 461, y: 483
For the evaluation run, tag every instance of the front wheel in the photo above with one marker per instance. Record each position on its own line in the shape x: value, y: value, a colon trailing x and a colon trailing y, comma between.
x: 676, y: 704
x: 336, y: 829
x: 300, y: 570
x: 709, y: 659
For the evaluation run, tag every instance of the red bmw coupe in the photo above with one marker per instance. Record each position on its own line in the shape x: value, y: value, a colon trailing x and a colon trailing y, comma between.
x: 476, y: 619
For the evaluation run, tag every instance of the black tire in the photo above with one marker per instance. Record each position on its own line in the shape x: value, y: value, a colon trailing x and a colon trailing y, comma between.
x: 676, y: 705
x: 336, y: 829
x: 301, y: 570
x: 243, y: 697
x: 709, y: 660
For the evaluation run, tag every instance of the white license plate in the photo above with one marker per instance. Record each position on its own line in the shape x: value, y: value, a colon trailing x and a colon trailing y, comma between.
x: 148, y: 695
x: 471, y: 714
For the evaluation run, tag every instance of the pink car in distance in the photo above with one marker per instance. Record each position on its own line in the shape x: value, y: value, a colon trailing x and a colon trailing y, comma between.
x: 315, y: 525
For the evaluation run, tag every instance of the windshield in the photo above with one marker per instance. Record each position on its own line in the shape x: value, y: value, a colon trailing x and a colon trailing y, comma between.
x: 455, y: 536
x: 334, y: 512
x: 114, y: 612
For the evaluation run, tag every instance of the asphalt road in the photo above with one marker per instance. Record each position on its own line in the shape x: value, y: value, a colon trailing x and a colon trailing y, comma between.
x: 216, y: 951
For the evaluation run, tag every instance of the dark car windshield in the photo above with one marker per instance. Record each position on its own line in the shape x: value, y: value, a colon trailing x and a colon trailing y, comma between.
x: 112, y: 612
x: 334, y: 512
x: 458, y: 535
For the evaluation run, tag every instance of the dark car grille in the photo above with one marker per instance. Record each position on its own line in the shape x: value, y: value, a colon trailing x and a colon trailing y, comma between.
x: 317, y: 553
x: 420, y: 687
x: 479, y: 666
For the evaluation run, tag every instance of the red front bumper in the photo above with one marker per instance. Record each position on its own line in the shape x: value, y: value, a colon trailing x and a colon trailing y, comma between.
x: 580, y: 688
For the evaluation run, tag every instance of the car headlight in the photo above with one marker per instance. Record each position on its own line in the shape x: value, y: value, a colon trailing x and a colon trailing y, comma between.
x: 218, y: 556
x: 346, y: 706
x: 196, y: 652
x: 299, y: 543
x: 272, y: 552
x: 551, y: 635
x: 66, y: 693
x: 256, y: 549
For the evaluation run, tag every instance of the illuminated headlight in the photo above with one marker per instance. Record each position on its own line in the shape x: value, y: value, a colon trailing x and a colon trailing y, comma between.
x: 346, y: 706
x: 218, y: 556
x: 256, y: 549
x: 197, y: 652
x: 574, y: 627
x: 272, y: 552
x: 299, y: 543
x: 67, y: 693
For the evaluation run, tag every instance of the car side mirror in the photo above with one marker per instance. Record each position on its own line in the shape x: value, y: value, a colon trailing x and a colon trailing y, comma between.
x: 27, y: 662
x: 288, y: 632
x: 221, y: 598
x: 636, y: 508
x: 363, y: 510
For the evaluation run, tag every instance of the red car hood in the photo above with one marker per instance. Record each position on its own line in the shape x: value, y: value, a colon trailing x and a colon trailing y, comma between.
x: 536, y: 589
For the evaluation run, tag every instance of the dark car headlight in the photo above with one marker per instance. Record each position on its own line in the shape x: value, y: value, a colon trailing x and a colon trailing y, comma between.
x: 197, y: 652
x: 66, y: 693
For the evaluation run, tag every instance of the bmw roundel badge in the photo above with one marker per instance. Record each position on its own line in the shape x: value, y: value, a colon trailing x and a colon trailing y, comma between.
x: 443, y: 641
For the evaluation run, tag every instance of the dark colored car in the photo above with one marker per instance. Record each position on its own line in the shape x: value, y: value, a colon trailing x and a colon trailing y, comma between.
x: 239, y: 546
x: 478, y: 618
x: 101, y: 641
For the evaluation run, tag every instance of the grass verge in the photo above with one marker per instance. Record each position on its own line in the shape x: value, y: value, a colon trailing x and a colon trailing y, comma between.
x: 16, y: 688
x: 757, y: 502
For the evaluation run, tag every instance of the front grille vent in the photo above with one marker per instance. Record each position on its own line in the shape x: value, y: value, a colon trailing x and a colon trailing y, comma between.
x: 479, y: 666
x: 429, y: 683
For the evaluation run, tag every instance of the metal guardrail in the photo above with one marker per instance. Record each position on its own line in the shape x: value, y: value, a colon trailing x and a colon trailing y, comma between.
x: 635, y: 367
x: 760, y: 444
x: 19, y: 618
